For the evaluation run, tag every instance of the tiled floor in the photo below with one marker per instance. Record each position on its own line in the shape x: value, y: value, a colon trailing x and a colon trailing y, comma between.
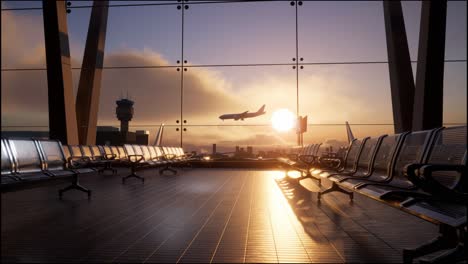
x: 201, y: 215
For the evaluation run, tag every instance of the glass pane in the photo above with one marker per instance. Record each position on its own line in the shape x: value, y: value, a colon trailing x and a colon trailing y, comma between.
x: 150, y: 2
x: 171, y: 137
x: 226, y: 138
x: 122, y: 4
x: 78, y: 22
x: 24, y: 99
x: 23, y: 43
x: 455, y: 92
x: 336, y: 31
x: 335, y: 135
x: 412, y: 17
x: 211, y: 92
x: 80, y: 3
x: 84, y: 3
x: 143, y: 36
x: 455, y: 37
x: 340, y: 93
x: 155, y: 92
x: 455, y: 49
x: 21, y: 4
x: 362, y: 131
x: 240, y: 33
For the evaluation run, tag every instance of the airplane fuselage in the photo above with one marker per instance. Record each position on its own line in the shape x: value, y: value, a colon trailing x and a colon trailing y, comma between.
x: 231, y: 116
x: 242, y: 116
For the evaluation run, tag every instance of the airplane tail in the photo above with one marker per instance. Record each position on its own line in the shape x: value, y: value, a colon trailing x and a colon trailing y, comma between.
x: 159, y: 136
x: 349, y: 132
x: 262, y: 109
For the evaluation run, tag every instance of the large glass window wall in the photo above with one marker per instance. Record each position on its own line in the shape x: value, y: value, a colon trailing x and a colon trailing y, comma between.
x: 185, y: 63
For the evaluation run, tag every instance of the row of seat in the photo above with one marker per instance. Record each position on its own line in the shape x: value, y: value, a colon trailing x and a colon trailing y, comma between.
x: 106, y: 156
x: 302, y: 159
x: 423, y: 173
x: 143, y: 156
x: 29, y: 162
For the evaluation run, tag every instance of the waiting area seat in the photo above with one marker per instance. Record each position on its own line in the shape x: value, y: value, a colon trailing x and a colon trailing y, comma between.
x: 108, y: 157
x: 33, y: 161
x: 423, y: 173
x: 28, y: 162
x: 303, y: 161
x: 141, y: 157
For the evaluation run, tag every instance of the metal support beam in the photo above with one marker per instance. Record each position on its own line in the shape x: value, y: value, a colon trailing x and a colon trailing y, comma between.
x: 399, y: 65
x: 87, y: 100
x: 62, y: 116
x: 428, y: 103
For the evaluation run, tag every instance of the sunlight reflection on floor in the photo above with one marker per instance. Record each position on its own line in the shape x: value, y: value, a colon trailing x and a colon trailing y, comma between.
x: 284, y: 222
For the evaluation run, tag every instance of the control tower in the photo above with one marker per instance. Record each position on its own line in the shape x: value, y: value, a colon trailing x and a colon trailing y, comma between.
x: 124, y: 113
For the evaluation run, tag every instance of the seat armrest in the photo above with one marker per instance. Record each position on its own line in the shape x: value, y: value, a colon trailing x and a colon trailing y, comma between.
x: 328, y: 162
x: 76, y: 162
x: 293, y: 156
x: 308, y: 159
x: 411, y: 171
x: 188, y: 155
x: 423, y: 178
x: 100, y: 157
x: 429, y: 168
x: 135, y: 158
x: 110, y: 156
x: 413, y: 167
x: 169, y: 156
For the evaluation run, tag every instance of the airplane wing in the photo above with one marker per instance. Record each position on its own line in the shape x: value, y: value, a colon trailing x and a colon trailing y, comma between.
x: 241, y: 116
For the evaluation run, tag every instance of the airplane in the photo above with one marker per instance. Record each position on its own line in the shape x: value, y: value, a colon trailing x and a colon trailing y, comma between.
x: 243, y: 115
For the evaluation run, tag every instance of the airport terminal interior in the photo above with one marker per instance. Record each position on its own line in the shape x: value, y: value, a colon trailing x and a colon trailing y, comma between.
x: 234, y: 131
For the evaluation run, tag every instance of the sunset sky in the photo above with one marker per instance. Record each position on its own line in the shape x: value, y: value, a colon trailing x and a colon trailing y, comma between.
x: 230, y: 34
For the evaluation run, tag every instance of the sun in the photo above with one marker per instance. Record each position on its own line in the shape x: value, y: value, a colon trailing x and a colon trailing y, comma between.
x: 283, y: 120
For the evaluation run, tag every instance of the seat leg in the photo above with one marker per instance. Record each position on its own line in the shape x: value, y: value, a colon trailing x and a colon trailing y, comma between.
x: 167, y: 168
x: 447, y: 239
x: 286, y: 179
x: 133, y: 175
x: 75, y: 185
x: 109, y: 167
x: 336, y: 188
x: 186, y: 164
x: 290, y: 184
x: 114, y: 171
x: 309, y: 175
